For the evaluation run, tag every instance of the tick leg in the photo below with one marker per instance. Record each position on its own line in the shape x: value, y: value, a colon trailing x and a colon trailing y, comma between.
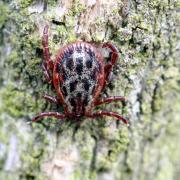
x: 111, y: 114
x: 51, y: 99
x: 114, y: 57
x: 46, y: 73
x: 48, y: 63
x: 48, y: 114
x: 109, y: 100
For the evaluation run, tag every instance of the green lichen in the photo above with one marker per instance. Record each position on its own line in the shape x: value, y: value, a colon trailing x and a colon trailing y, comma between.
x: 4, y: 13
x: 86, y: 154
x: 116, y: 146
x: 77, y: 7
x: 155, y: 3
x: 24, y: 3
x: 13, y: 94
x: 76, y: 175
x: 62, y: 31
x: 124, y: 34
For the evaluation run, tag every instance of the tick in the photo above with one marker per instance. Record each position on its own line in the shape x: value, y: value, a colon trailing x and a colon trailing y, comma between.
x: 79, y: 74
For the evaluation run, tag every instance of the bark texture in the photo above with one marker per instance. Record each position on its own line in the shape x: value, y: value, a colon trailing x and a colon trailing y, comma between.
x: 147, y: 34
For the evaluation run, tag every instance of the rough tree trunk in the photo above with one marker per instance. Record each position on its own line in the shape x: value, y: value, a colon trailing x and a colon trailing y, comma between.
x: 147, y: 34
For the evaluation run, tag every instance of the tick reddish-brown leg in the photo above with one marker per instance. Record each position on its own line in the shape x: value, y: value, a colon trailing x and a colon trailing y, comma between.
x: 109, y: 100
x: 114, y: 57
x: 48, y: 63
x: 51, y: 99
x: 111, y: 114
x: 48, y: 114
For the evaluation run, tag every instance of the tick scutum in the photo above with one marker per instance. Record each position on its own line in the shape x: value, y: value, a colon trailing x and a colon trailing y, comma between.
x: 79, y: 49
x: 69, y: 63
x: 72, y: 86
x: 68, y: 59
x: 91, y: 54
x: 86, y: 84
x: 64, y: 90
x: 64, y: 74
x: 89, y: 62
x: 93, y: 74
x: 79, y: 95
x: 79, y: 65
x: 59, y: 69
x: 80, y: 70
x: 85, y: 100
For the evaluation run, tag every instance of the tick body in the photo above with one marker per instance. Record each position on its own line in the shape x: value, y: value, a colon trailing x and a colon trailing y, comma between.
x: 79, y: 74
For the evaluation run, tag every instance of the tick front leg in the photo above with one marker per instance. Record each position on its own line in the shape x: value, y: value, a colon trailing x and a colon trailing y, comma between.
x: 114, y: 57
x: 48, y: 63
x: 51, y: 99
x: 111, y: 114
x: 48, y: 114
x: 109, y: 100
x: 46, y: 73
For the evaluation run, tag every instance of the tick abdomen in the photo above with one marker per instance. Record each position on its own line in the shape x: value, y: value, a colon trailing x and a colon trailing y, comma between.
x: 79, y: 72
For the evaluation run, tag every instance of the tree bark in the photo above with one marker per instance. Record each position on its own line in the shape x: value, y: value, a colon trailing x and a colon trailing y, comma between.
x: 147, y: 34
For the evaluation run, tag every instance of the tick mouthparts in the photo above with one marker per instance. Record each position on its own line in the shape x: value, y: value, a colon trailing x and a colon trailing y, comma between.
x: 78, y: 115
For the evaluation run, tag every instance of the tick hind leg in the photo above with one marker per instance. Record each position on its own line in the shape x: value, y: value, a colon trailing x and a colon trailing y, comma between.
x: 111, y: 114
x: 109, y: 100
x: 48, y: 63
x: 114, y: 57
x: 48, y: 114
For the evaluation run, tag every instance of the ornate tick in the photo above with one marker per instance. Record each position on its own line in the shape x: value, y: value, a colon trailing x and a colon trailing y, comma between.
x: 79, y: 74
